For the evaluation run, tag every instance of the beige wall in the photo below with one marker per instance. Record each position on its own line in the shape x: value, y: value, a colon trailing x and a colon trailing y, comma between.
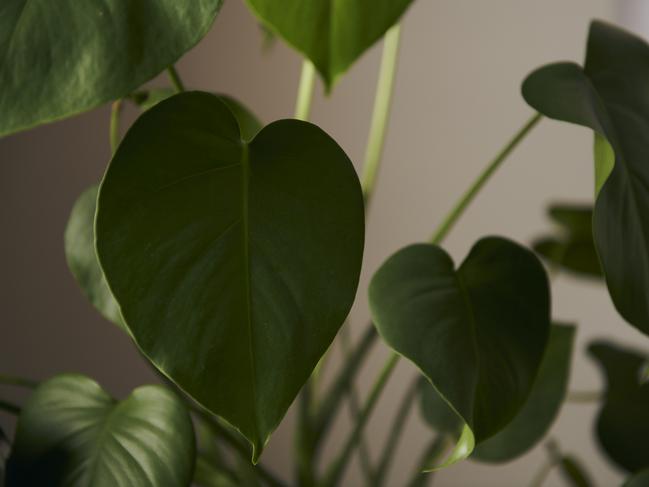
x: 457, y: 101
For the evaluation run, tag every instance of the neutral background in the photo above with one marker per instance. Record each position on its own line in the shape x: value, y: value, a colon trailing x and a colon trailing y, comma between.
x: 457, y: 101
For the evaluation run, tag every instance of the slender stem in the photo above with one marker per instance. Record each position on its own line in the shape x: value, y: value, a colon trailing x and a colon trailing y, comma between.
x: 396, y: 431
x: 9, y: 407
x: 175, y: 79
x: 305, y: 91
x: 337, y: 469
x: 381, y: 112
x: 115, y: 113
x: 584, y: 397
x: 436, y: 449
x: 354, y: 407
x: 477, y: 185
x: 10, y: 380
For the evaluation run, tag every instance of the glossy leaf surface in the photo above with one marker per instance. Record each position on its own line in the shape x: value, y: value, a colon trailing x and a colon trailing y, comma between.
x: 331, y: 33
x: 61, y: 58
x: 623, y: 421
x: 609, y: 95
x: 571, y: 248
x: 477, y: 333
x: 71, y: 433
x: 80, y: 234
x: 542, y: 406
x: 234, y: 263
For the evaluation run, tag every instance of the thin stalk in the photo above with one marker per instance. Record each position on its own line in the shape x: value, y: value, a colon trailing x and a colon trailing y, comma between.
x: 10, y: 380
x: 474, y: 189
x: 354, y: 407
x: 380, y: 474
x: 175, y: 79
x: 436, y: 449
x: 337, y: 469
x: 115, y: 114
x: 305, y: 91
x: 304, y: 445
x: 381, y: 112
x: 9, y: 407
x: 439, y: 235
x: 584, y: 397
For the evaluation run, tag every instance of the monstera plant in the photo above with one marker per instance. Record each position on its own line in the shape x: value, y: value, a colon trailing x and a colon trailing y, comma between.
x: 229, y: 251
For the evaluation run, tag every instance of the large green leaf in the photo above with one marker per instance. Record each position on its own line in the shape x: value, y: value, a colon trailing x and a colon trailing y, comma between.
x: 542, y: 405
x: 572, y: 248
x: 234, y: 262
x: 61, y: 58
x: 477, y: 333
x: 623, y: 421
x: 610, y: 96
x: 80, y: 235
x: 640, y: 479
x: 72, y: 433
x: 331, y: 33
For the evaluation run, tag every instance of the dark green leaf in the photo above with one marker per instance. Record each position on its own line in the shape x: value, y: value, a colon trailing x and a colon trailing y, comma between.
x: 437, y: 413
x: 80, y: 233
x: 61, y: 58
x: 572, y: 248
x: 72, y: 433
x: 640, y: 479
x: 609, y: 95
x: 331, y: 34
x: 82, y: 258
x: 478, y: 334
x: 248, y: 122
x: 234, y: 263
x: 542, y: 406
x: 206, y: 475
x: 572, y: 470
x: 623, y: 421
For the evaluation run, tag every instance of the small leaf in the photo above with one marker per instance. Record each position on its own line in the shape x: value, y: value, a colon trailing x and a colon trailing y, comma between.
x: 82, y: 259
x: 80, y: 233
x: 234, y: 262
x: 623, y: 421
x: 58, y: 59
x: 331, y: 34
x: 572, y: 249
x: 640, y: 479
x: 609, y: 96
x: 478, y: 334
x: 71, y: 433
x: 542, y: 406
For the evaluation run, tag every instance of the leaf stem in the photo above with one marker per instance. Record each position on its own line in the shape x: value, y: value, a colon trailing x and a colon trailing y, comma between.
x: 457, y: 211
x: 115, y: 113
x: 305, y: 91
x: 381, y: 112
x: 397, y: 429
x: 10, y: 380
x: 337, y: 468
x: 175, y: 79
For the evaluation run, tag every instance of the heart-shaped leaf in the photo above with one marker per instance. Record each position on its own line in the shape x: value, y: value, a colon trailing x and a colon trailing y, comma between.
x: 609, y: 95
x: 71, y: 433
x: 477, y: 333
x: 80, y: 233
x: 234, y: 262
x: 623, y: 421
x: 61, y: 58
x: 332, y: 34
x: 572, y: 248
x: 542, y: 406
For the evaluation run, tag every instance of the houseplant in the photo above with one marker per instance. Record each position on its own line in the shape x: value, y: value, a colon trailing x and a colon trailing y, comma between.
x: 254, y: 404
